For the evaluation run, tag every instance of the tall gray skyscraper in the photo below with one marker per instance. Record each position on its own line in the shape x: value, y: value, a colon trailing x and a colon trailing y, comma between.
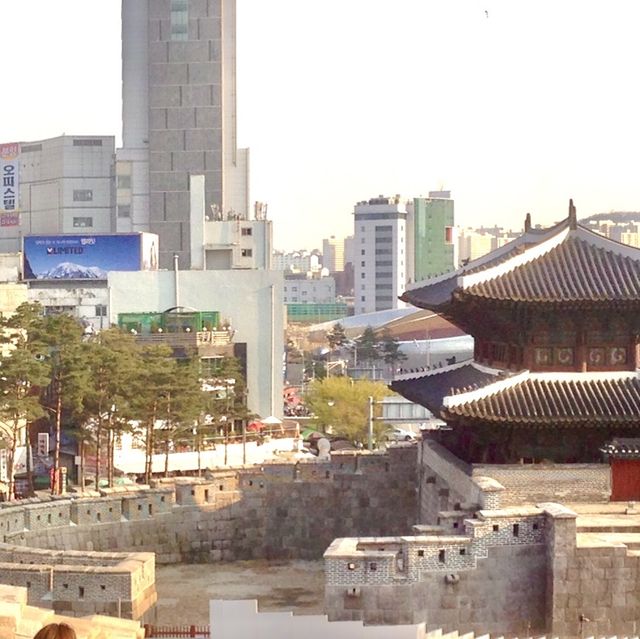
x: 179, y: 118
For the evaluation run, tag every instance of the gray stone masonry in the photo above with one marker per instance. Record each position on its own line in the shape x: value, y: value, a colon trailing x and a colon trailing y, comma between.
x: 491, y: 578
x: 86, y: 554
x: 533, y: 483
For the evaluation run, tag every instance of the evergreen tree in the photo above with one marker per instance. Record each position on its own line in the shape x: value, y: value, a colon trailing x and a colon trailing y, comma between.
x: 113, y: 361
x: 183, y: 403
x: 23, y: 370
x: 336, y: 336
x: 151, y: 389
x: 367, y: 346
x: 69, y: 381
x: 390, y: 350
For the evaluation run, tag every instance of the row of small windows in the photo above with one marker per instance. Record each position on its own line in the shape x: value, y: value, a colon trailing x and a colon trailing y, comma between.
x: 86, y: 142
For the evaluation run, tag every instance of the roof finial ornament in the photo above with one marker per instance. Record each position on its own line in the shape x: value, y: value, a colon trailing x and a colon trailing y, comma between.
x: 527, y: 222
x: 573, y: 218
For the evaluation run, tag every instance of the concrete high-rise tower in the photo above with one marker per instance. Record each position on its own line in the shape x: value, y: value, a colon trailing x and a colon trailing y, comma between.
x: 179, y: 119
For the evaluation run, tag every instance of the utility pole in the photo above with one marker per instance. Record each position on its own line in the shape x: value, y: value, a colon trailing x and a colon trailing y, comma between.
x: 370, y: 425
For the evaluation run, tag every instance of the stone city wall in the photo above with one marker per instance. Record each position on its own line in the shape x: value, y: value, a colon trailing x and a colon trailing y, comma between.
x: 445, y: 484
x: 593, y: 586
x: 76, y: 582
x: 492, y: 578
x: 534, y: 483
x: 19, y: 620
x: 63, y: 548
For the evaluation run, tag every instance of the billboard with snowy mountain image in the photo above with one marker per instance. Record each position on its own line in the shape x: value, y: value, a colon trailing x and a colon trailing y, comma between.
x: 87, y: 257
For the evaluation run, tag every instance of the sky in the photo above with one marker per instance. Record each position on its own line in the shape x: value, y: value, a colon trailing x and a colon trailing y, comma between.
x: 514, y: 106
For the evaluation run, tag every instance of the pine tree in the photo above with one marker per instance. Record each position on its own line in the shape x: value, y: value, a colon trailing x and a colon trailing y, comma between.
x: 367, y: 346
x: 113, y: 361
x: 69, y: 381
x: 23, y: 370
x: 390, y: 350
x: 336, y: 336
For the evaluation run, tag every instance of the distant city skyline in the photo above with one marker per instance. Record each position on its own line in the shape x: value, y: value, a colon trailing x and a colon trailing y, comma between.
x: 514, y: 107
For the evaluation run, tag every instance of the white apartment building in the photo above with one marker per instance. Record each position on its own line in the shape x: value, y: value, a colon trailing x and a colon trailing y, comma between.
x: 303, y: 290
x: 296, y: 262
x: 380, y: 260
x: 64, y: 185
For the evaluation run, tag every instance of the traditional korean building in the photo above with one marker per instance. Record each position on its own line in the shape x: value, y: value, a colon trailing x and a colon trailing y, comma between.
x: 555, y: 315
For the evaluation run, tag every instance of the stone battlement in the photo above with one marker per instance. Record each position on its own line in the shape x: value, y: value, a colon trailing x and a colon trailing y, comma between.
x: 74, y: 552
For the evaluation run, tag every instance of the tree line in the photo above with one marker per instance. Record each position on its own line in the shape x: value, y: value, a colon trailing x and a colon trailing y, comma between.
x: 99, y: 386
x: 369, y: 347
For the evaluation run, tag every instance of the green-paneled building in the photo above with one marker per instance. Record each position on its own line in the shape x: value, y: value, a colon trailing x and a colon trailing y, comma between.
x: 434, y: 237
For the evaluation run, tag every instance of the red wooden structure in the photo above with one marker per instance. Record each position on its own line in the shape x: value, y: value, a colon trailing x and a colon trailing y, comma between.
x: 624, y: 456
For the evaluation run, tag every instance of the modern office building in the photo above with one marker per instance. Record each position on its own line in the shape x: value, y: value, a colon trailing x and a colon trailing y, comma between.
x: 179, y: 119
x: 431, y: 236
x: 58, y: 185
x: 380, y: 254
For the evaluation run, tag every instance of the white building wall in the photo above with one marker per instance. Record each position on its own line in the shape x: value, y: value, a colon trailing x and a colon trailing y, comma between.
x: 88, y: 301
x: 250, y: 300
x: 310, y: 291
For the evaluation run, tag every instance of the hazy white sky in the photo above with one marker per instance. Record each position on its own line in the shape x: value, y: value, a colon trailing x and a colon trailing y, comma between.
x: 342, y: 100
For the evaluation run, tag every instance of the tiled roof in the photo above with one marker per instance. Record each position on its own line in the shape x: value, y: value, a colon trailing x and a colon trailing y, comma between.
x: 567, y: 263
x: 624, y: 448
x: 573, y: 271
x: 430, y: 388
x: 531, y: 399
x: 556, y: 401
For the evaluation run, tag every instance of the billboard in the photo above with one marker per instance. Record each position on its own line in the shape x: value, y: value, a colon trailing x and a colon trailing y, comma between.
x: 9, y: 184
x: 87, y: 257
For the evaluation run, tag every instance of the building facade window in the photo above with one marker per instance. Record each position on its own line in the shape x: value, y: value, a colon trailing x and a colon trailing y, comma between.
x: 179, y: 19
x: 124, y: 181
x: 101, y: 310
x: 245, y: 252
x: 247, y: 231
x: 124, y: 210
x: 82, y: 195
x: 82, y: 222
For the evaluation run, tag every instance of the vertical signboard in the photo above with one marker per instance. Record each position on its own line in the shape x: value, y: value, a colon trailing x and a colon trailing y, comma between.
x: 9, y: 184
x: 43, y: 444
